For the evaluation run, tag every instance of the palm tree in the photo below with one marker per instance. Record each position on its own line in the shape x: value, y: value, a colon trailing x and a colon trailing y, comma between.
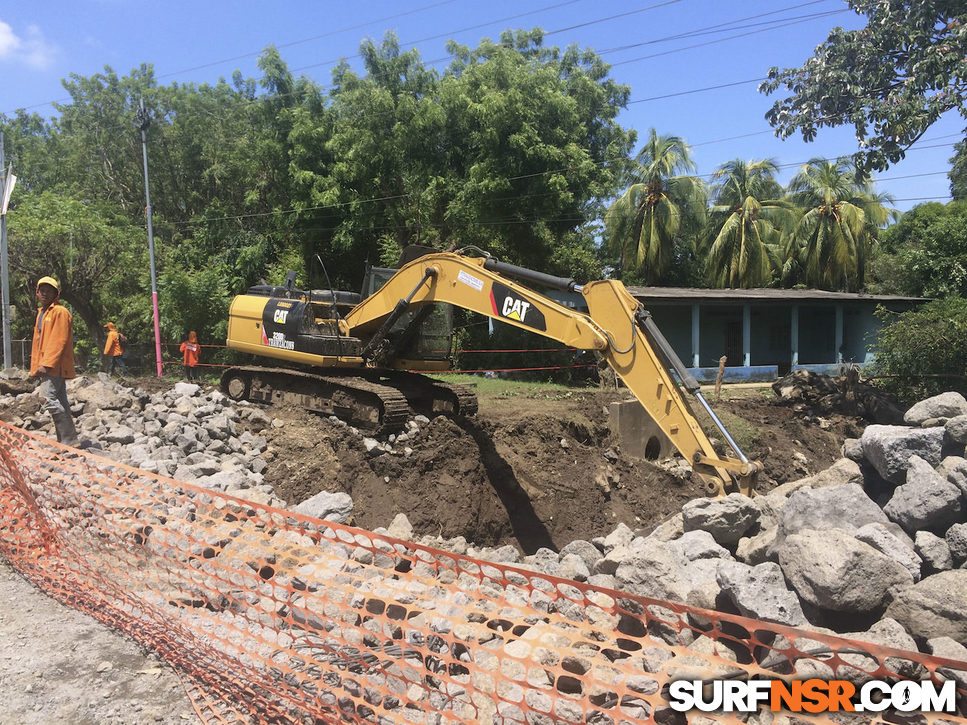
x: 841, y: 217
x: 643, y: 223
x: 745, y: 223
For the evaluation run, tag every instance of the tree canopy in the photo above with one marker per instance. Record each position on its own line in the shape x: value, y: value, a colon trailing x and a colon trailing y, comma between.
x: 889, y: 80
x: 925, y: 253
x: 513, y: 148
x: 643, y: 223
x: 841, y: 216
x: 747, y: 221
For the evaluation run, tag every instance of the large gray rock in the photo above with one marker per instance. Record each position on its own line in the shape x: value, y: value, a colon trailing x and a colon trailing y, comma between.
x: 836, y: 572
x: 698, y: 544
x: 926, y: 501
x: 889, y: 447
x: 956, y: 539
x: 852, y: 448
x: 945, y: 405
x: 845, y: 507
x: 185, y: 390
x: 888, y: 633
x: 652, y: 570
x: 698, y: 581
x: 588, y: 552
x: 621, y: 536
x: 760, y: 592
x: 956, y: 473
x: 841, y: 471
x: 726, y: 519
x: 933, y: 551
x: 887, y: 542
x: 946, y: 647
x: 757, y: 549
x: 329, y: 506
x: 934, y: 607
x: 957, y: 429
x: 104, y: 395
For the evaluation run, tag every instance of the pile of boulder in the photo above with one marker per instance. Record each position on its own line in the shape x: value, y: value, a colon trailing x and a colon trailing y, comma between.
x: 817, y: 394
x: 873, y: 548
x: 187, y: 432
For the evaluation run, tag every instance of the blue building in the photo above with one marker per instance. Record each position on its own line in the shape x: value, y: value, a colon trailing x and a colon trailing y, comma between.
x: 765, y: 333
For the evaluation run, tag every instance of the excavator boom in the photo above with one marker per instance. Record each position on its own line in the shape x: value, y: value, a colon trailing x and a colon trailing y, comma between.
x: 615, y: 325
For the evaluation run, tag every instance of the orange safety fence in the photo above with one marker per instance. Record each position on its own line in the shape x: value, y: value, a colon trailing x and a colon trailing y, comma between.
x: 276, y: 617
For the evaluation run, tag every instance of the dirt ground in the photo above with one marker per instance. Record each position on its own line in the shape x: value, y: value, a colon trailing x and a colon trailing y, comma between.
x: 532, y: 471
x: 58, y: 665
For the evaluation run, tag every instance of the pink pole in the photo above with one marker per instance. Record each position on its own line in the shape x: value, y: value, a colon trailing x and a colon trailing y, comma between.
x: 157, y: 333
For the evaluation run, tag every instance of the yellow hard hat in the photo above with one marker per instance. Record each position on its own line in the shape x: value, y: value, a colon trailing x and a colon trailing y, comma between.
x: 48, y: 280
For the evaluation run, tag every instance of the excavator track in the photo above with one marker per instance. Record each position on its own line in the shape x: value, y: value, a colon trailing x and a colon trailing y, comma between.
x: 365, y: 404
x: 432, y: 397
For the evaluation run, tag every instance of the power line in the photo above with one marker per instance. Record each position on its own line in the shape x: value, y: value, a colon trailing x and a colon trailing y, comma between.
x: 697, y: 90
x: 282, y: 45
x: 690, y: 33
x: 719, y: 27
x: 463, y: 30
x: 311, y: 38
x: 731, y: 37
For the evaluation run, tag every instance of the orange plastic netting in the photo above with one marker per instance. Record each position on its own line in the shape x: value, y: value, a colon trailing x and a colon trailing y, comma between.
x: 277, y: 617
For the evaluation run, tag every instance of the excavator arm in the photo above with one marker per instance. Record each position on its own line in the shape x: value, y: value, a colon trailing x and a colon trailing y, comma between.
x: 616, y: 326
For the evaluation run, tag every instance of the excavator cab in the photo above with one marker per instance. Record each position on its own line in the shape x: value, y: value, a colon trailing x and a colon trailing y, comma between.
x: 422, y: 336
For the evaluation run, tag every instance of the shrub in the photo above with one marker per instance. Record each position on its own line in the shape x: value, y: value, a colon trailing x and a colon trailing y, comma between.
x: 923, y: 352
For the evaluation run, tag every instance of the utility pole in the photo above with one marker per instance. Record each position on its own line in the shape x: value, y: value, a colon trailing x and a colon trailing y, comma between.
x: 142, y: 122
x: 6, y: 190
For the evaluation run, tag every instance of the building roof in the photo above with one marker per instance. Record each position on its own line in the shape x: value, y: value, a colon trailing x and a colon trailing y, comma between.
x: 762, y: 294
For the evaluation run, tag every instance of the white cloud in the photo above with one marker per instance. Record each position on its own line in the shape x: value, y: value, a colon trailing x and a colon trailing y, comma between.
x: 33, y: 50
x: 9, y: 42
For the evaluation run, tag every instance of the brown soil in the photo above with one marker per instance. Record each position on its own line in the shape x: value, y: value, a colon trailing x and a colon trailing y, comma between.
x: 531, y: 470
x: 528, y: 471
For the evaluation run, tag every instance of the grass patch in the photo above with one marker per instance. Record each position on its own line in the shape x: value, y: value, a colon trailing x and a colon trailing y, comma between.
x: 498, y: 387
x: 745, y: 434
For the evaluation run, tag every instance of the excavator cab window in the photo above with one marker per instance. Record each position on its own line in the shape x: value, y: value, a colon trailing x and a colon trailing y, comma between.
x: 421, y: 334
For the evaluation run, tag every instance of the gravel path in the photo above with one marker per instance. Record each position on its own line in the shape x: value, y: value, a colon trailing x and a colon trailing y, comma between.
x: 58, y: 665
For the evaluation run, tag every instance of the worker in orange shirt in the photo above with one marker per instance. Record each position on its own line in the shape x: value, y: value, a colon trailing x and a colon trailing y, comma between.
x: 190, y: 348
x: 52, y: 357
x: 113, y: 350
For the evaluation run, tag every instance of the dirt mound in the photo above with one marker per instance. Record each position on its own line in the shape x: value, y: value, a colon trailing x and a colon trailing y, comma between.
x: 530, y: 471
x: 845, y: 394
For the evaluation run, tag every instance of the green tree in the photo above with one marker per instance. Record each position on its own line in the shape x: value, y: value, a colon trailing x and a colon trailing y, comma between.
x: 746, y: 224
x: 505, y: 150
x: 958, y: 172
x: 925, y: 253
x: 922, y: 353
x: 643, y: 223
x: 91, y: 248
x: 831, y: 244
x: 890, y: 80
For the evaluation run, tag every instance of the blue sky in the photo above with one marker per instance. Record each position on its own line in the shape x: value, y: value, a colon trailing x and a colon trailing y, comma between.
x: 41, y: 43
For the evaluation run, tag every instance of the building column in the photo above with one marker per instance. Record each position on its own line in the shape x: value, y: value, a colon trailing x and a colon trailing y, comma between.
x: 794, y: 335
x: 695, y: 340
x: 839, y: 333
x: 747, y: 334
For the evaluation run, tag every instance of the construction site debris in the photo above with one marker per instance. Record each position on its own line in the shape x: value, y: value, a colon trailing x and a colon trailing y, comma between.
x: 818, y: 394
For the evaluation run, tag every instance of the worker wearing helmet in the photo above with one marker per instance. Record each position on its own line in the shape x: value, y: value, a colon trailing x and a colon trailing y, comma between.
x: 113, y: 350
x: 52, y: 357
x: 189, y: 349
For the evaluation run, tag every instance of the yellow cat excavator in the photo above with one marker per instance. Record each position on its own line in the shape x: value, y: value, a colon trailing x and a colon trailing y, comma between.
x: 350, y: 356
